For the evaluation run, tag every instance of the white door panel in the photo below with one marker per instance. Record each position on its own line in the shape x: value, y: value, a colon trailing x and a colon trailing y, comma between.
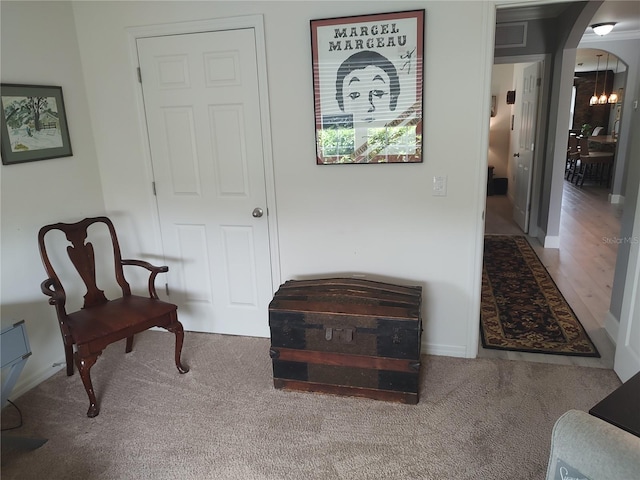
x: 203, y: 115
x: 526, y: 141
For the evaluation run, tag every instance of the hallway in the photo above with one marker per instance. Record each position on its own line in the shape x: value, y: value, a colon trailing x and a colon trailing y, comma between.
x: 582, y: 267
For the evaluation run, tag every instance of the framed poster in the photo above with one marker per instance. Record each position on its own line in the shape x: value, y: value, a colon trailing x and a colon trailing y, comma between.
x: 33, y: 123
x: 367, y: 83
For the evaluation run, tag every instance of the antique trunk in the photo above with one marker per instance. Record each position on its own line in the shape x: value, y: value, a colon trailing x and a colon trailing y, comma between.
x: 347, y: 336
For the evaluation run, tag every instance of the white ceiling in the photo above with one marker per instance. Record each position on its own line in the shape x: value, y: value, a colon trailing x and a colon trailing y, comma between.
x: 626, y: 14
x: 587, y: 60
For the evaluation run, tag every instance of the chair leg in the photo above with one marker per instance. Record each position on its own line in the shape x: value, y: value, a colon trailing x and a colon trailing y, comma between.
x: 68, y: 355
x: 84, y: 366
x: 129, y: 344
x: 176, y: 328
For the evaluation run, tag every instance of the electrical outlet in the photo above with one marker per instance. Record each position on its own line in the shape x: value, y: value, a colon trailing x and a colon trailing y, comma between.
x: 440, y: 185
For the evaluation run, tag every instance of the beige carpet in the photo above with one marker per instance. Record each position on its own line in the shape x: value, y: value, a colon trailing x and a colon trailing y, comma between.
x: 476, y: 419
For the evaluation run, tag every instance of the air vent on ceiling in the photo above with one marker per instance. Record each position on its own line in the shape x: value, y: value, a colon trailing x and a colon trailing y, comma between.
x: 511, y: 35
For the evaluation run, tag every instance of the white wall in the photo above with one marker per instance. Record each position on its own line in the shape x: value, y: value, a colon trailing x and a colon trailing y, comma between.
x: 500, y: 126
x: 627, y: 359
x: 39, y: 47
x: 380, y: 220
x: 375, y: 219
x: 619, y: 81
x: 625, y: 181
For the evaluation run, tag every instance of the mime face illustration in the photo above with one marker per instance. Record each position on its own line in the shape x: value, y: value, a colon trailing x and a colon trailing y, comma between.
x: 367, y: 87
x: 366, y: 94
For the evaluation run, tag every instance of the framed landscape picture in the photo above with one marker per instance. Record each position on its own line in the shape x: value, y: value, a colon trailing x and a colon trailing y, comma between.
x: 368, y: 84
x: 33, y: 123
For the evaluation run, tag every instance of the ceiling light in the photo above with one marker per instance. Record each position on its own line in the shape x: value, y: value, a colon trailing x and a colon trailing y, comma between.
x: 594, y: 99
x: 602, y: 28
x: 603, y: 98
x: 613, y: 98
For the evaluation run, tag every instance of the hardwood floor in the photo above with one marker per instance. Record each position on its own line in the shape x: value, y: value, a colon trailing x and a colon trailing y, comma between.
x: 582, y: 267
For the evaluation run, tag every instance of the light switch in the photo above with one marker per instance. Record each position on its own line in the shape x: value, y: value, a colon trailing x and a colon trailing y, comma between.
x: 440, y: 186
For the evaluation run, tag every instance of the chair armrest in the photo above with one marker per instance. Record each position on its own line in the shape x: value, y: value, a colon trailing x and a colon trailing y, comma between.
x: 147, y: 265
x: 51, y: 288
x: 155, y: 270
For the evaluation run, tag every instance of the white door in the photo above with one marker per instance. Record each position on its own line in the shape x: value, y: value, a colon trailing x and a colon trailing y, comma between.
x: 526, y: 142
x: 202, y: 107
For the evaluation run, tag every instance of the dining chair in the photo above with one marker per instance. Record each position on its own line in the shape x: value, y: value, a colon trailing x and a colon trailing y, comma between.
x: 573, y: 158
x: 593, y: 164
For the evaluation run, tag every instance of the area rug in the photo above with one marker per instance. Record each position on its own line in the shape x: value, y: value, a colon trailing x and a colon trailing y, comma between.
x: 522, y: 308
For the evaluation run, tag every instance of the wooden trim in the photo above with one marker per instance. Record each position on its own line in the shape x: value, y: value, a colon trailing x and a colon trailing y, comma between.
x: 386, y: 395
x: 352, y: 283
x: 309, y: 306
x: 333, y: 293
x: 347, y: 360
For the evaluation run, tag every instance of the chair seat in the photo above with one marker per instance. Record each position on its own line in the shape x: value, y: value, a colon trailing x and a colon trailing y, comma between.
x: 120, y: 315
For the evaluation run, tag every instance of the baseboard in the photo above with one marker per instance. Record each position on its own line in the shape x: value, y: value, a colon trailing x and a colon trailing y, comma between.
x: 533, y: 230
x: 25, y: 384
x: 611, y: 325
x: 551, y: 241
x: 444, y: 350
x: 616, y: 199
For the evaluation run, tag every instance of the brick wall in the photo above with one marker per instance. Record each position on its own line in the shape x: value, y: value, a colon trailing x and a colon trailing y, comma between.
x: 596, y: 115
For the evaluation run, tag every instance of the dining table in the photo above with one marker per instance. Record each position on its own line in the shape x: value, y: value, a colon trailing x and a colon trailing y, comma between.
x: 604, y: 139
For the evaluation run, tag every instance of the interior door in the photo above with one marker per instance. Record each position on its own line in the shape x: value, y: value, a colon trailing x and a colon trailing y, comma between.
x: 201, y: 101
x: 526, y: 142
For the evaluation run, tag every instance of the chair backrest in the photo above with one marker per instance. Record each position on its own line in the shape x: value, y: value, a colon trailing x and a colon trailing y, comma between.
x: 584, y: 146
x: 596, y: 131
x: 82, y: 255
x: 573, y: 144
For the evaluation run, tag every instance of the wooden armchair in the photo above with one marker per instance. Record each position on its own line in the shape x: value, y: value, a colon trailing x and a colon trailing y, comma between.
x: 101, y: 322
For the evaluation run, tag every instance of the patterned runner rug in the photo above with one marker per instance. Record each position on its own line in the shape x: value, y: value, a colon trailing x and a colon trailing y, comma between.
x: 522, y: 308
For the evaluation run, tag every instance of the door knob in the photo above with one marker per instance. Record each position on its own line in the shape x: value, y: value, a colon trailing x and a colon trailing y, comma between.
x: 516, y: 155
x: 257, y: 212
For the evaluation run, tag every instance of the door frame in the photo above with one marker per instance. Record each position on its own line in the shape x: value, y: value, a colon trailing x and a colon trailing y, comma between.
x: 540, y: 135
x: 203, y: 26
x: 627, y: 359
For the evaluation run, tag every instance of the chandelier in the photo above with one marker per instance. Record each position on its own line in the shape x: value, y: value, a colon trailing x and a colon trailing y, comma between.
x: 603, y: 98
x: 613, y: 98
x: 594, y: 98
